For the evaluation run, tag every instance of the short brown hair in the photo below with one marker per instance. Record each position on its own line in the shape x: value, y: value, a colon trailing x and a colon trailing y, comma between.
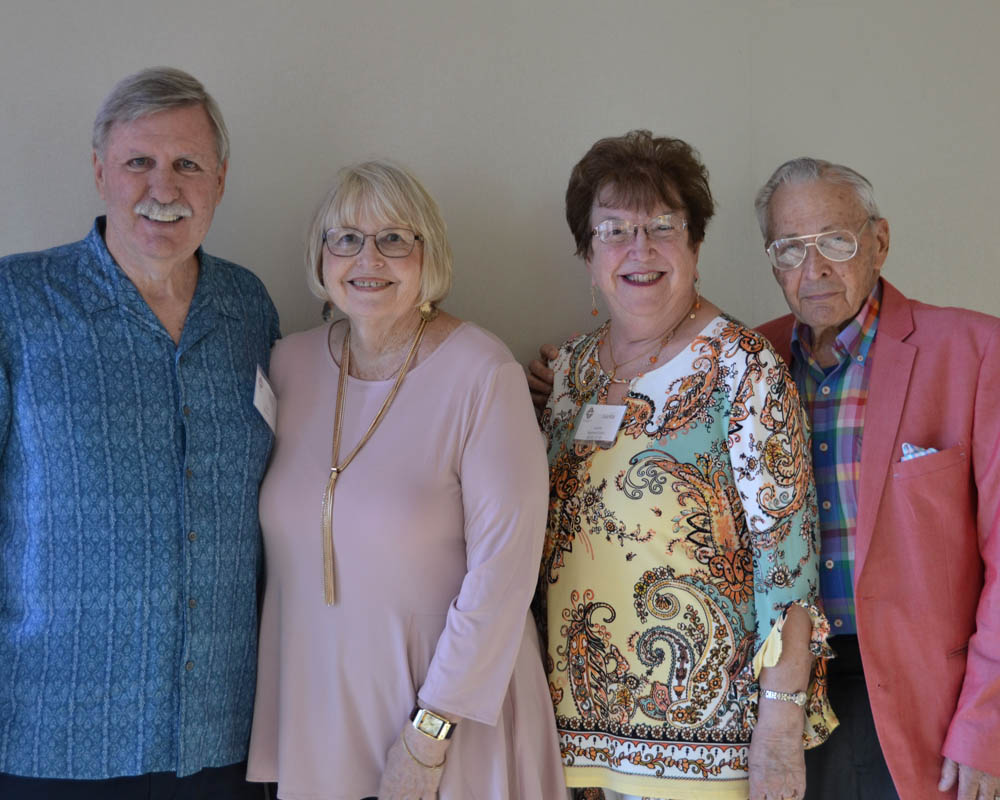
x: 640, y: 170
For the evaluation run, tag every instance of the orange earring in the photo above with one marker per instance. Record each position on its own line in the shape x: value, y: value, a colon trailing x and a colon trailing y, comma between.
x: 593, y: 301
x: 697, y: 299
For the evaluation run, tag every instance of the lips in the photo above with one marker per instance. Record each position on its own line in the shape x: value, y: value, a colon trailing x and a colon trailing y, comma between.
x: 642, y: 278
x: 168, y: 213
x: 819, y: 297
x: 162, y: 217
x: 368, y: 283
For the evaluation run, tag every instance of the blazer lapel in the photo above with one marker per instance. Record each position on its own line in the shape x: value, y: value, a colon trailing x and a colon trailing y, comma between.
x: 887, y: 389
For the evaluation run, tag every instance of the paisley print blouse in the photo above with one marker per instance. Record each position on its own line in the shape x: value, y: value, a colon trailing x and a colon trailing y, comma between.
x: 670, y: 557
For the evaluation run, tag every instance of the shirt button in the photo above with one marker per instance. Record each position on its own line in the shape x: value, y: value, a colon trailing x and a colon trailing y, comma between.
x: 192, y: 536
x: 826, y: 505
x: 861, y: 359
x: 837, y: 623
x: 188, y: 473
x: 187, y: 411
x: 829, y: 563
x: 192, y: 603
x: 824, y: 390
x: 823, y: 447
x: 190, y: 664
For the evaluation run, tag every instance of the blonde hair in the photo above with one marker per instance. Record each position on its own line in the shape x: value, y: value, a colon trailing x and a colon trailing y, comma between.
x: 382, y: 190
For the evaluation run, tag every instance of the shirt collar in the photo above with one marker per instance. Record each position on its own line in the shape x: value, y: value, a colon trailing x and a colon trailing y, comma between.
x: 104, y: 284
x: 853, y: 342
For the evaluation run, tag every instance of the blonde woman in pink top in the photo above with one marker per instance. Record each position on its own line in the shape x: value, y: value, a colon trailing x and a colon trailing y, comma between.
x: 403, y: 515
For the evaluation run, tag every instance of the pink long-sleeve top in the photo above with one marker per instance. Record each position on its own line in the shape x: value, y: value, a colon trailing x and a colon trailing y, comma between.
x: 438, y: 526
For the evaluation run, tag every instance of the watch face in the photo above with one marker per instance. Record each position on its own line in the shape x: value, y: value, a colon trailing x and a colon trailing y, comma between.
x: 429, y: 724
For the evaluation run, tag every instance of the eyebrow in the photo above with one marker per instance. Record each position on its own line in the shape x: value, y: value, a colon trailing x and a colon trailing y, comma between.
x: 835, y: 226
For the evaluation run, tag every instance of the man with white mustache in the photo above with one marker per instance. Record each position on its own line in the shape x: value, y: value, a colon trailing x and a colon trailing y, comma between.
x: 130, y: 456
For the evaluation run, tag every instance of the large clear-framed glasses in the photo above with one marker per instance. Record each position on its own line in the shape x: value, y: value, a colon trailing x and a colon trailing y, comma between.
x: 787, y: 254
x: 390, y: 242
x: 663, y: 228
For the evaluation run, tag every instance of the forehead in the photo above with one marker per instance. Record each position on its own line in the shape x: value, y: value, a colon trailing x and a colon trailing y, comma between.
x: 187, y: 128
x: 364, y: 219
x: 640, y: 199
x: 611, y: 210
x: 799, y: 209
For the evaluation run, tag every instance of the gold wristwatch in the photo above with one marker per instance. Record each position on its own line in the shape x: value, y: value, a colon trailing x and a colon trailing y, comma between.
x: 430, y: 724
x: 799, y: 698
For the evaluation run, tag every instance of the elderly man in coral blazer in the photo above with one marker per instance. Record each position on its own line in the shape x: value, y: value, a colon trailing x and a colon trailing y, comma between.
x: 905, y: 403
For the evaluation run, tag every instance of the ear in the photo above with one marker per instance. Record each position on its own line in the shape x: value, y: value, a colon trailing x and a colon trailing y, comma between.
x: 881, y: 227
x: 221, y: 177
x: 98, y: 173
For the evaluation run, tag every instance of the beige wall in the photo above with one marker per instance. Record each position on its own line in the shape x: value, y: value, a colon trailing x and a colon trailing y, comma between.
x: 492, y: 103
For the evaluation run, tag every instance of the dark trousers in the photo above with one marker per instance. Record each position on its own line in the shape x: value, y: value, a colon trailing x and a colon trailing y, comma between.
x: 214, y: 783
x: 849, y: 765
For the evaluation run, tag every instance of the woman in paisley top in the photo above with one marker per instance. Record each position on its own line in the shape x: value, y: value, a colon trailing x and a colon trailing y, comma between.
x: 679, y: 577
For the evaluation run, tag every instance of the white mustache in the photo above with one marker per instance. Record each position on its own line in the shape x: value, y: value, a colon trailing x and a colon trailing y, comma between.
x: 162, y: 212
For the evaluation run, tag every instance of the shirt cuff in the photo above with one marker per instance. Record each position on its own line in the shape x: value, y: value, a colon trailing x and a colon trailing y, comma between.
x: 820, y: 719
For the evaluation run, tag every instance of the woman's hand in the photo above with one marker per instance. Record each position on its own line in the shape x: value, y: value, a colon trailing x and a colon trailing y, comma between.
x: 404, y: 778
x: 777, y: 758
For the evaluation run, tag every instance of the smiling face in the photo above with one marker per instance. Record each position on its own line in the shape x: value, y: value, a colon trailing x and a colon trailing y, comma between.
x: 644, y: 282
x: 161, y: 181
x: 370, y: 287
x: 824, y: 294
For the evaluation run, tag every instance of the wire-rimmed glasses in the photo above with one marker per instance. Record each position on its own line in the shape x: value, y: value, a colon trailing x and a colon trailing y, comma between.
x: 390, y: 242
x: 662, y: 228
x: 787, y: 254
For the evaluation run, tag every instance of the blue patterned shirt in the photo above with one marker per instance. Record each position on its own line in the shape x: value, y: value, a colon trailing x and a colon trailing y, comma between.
x: 129, y: 541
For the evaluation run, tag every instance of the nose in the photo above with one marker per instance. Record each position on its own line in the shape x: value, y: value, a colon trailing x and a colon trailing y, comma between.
x: 163, y: 184
x: 815, y: 263
x: 370, y: 254
x: 641, y: 244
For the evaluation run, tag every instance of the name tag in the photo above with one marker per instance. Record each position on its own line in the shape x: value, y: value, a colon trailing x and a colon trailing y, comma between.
x: 599, y: 423
x: 264, y: 400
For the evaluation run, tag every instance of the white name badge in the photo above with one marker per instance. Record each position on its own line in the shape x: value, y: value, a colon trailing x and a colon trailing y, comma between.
x: 264, y: 400
x: 599, y: 423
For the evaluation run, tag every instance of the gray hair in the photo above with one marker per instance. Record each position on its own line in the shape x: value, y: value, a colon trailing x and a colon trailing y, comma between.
x: 805, y: 170
x: 389, y: 193
x: 150, y: 91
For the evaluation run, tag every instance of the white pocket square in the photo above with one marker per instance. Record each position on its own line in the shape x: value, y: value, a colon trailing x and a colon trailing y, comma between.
x: 911, y: 451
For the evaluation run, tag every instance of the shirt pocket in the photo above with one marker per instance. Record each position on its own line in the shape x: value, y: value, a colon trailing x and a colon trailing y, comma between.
x: 934, y: 462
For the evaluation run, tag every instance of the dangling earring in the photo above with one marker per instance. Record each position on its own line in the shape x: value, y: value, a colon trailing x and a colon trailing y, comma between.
x: 427, y: 311
x: 697, y: 299
x: 593, y: 301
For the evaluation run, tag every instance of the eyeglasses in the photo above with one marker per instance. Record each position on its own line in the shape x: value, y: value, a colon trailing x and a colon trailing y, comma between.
x: 390, y: 242
x: 788, y: 254
x: 663, y: 228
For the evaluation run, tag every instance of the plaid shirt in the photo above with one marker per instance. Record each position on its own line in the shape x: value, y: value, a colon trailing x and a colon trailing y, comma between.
x: 835, y: 400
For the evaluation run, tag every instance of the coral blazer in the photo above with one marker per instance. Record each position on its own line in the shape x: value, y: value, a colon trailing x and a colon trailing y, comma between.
x: 927, y: 549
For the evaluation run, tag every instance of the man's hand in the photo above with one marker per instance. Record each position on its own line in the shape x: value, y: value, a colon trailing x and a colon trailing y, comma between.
x: 972, y: 783
x: 540, y: 377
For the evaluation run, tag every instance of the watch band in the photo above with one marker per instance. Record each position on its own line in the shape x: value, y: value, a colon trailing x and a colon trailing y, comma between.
x: 798, y: 698
x: 430, y: 724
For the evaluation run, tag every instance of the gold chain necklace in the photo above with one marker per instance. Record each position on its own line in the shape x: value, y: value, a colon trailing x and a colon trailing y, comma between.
x: 654, y: 356
x: 335, y: 468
